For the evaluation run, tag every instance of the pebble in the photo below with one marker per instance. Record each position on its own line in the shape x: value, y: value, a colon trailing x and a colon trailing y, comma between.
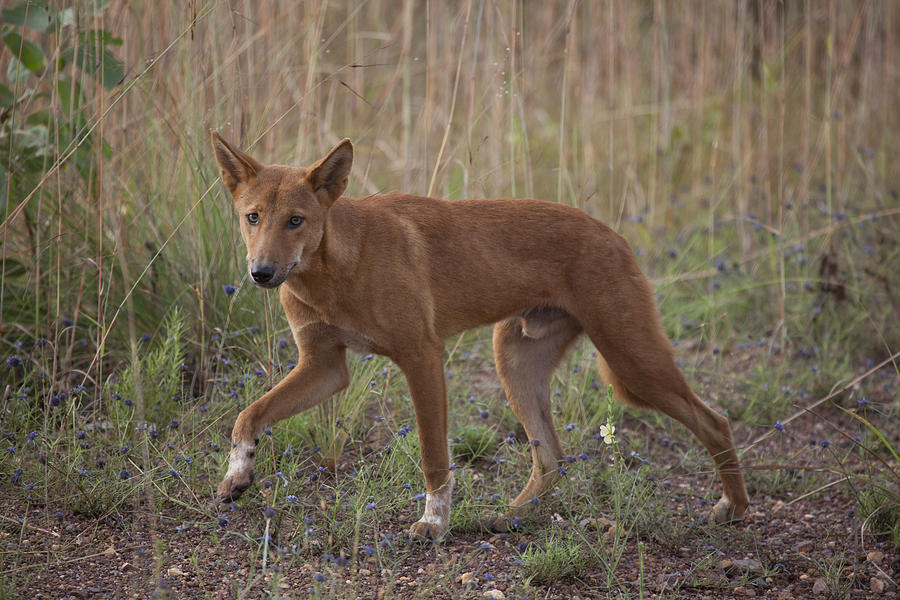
x: 175, y: 571
x: 875, y: 557
x: 876, y: 585
x: 748, y: 565
x: 494, y: 594
x: 745, y: 591
x: 610, y: 534
x: 465, y: 578
x: 819, y: 586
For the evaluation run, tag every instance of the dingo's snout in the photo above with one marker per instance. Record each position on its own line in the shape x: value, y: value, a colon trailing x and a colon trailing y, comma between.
x: 262, y: 274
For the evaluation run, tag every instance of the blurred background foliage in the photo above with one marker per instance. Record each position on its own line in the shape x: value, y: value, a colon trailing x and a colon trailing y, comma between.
x: 746, y: 149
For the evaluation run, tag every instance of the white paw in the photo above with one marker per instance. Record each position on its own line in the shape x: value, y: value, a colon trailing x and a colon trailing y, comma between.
x: 240, y: 472
x: 435, y: 523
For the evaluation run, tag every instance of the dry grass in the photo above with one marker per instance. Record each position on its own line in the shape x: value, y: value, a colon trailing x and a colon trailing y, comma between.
x: 622, y: 108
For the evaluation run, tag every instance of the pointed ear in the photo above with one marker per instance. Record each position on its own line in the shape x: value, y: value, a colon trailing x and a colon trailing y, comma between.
x: 329, y: 176
x: 238, y: 168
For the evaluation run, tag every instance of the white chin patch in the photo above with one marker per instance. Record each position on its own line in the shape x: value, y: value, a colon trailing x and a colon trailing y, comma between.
x: 437, y: 505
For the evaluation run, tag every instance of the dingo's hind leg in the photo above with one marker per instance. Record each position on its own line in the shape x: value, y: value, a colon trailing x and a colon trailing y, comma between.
x: 527, y: 350
x: 640, y: 366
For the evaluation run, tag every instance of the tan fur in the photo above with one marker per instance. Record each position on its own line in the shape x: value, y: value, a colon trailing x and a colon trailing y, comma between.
x: 397, y: 274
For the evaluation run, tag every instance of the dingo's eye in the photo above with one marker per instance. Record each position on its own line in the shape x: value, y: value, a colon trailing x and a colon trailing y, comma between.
x: 253, y: 218
x: 296, y: 221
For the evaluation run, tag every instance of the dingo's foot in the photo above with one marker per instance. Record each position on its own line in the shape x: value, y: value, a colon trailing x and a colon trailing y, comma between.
x: 435, y: 523
x: 426, y: 530
x: 239, y: 475
x: 725, y: 512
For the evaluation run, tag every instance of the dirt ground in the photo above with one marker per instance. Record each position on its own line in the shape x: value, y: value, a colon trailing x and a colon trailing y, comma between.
x: 786, y: 548
x: 802, y: 537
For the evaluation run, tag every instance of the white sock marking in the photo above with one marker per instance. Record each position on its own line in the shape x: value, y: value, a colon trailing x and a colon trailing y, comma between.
x: 239, y: 461
x: 437, y: 505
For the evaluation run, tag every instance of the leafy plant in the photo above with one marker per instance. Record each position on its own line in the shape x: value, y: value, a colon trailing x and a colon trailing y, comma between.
x: 156, y: 372
x: 43, y: 118
x: 47, y: 125
x: 878, y: 490
x: 334, y: 422
x: 558, y: 559
x: 472, y: 442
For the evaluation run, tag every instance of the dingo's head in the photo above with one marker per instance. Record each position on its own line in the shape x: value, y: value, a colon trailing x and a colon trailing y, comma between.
x: 282, y: 209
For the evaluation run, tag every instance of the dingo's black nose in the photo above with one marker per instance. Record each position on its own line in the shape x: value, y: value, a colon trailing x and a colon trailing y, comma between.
x: 262, y: 273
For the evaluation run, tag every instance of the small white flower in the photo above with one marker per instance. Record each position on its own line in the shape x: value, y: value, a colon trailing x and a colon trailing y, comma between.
x: 608, y: 432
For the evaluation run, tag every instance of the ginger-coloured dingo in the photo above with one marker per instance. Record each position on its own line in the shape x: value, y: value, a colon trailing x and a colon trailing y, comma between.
x: 397, y: 275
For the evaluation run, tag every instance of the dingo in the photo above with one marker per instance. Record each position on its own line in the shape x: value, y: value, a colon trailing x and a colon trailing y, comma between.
x: 397, y: 274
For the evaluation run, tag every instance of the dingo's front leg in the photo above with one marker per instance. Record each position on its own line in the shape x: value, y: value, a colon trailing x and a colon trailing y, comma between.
x: 321, y: 371
x: 425, y: 377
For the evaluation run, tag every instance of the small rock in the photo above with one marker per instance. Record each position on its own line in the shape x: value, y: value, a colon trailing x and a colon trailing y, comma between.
x: 748, y: 565
x: 110, y: 551
x: 819, y: 586
x: 726, y: 564
x: 600, y: 524
x: 875, y: 557
x: 744, y: 591
x: 778, y: 506
x: 610, y: 534
x: 465, y: 578
x: 284, y: 585
x: 668, y: 581
x: 494, y: 594
x: 175, y: 572
x: 876, y: 585
x: 364, y: 572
